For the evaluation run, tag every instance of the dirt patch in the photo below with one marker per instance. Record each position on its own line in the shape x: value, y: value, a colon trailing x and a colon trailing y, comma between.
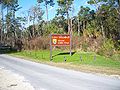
x: 12, y: 81
x: 89, y: 69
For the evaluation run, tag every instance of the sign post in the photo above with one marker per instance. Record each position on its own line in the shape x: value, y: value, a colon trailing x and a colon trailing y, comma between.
x: 70, y: 44
x: 50, y: 47
x: 60, y: 40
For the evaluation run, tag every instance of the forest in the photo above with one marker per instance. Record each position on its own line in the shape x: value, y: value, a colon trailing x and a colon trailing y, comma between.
x: 95, y: 30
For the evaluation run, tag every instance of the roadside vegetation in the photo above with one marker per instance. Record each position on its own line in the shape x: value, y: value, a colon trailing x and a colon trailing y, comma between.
x: 95, y: 31
x: 82, y: 61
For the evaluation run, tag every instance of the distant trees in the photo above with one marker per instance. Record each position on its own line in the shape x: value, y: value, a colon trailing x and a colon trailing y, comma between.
x: 64, y: 9
x: 9, y: 23
x: 83, y: 16
x: 46, y: 2
x: 105, y: 20
x: 36, y: 14
x: 107, y: 17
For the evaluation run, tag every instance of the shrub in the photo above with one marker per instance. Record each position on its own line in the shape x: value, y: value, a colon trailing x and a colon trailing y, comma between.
x: 107, y: 48
x: 37, y: 43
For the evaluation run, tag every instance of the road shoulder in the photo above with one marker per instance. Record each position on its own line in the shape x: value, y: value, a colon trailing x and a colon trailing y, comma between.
x: 12, y: 81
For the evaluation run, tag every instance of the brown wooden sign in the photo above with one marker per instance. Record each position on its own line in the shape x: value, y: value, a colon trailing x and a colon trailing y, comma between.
x: 60, y: 40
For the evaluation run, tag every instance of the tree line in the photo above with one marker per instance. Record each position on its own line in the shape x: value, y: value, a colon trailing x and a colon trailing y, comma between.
x: 104, y: 21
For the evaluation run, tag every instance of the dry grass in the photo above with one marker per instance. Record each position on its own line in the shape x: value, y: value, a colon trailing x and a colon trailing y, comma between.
x: 87, y: 68
x: 36, y: 43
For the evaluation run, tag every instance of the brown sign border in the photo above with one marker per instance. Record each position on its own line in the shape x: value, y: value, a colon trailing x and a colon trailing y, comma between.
x: 60, y: 45
x: 61, y: 35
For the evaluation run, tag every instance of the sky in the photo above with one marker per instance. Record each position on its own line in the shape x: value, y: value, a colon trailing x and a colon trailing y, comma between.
x: 27, y: 4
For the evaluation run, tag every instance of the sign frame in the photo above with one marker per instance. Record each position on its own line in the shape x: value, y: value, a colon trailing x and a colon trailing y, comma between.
x: 63, y: 41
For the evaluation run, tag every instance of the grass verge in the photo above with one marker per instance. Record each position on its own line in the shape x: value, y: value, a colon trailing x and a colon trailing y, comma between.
x: 81, y: 61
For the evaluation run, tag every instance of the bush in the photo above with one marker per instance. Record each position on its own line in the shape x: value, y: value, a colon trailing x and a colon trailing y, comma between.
x: 52, y: 28
x: 116, y: 57
x: 107, y: 48
x: 37, y: 43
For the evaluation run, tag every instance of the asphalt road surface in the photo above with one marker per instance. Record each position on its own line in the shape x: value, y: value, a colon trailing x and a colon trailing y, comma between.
x: 45, y: 77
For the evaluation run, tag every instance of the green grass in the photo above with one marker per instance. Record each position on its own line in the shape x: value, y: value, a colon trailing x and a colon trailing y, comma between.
x: 88, y: 58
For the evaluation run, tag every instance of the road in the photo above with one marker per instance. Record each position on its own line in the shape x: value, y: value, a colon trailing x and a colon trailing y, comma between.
x: 45, y: 77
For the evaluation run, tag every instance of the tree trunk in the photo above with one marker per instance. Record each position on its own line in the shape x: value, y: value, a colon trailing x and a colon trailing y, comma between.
x: 33, y: 25
x: 102, y: 29
x: 78, y: 27
x: 29, y: 34
x: 85, y: 26
x: 1, y: 30
x: 71, y: 26
x: 68, y: 17
x: 47, y: 13
x: 7, y: 25
x: 14, y: 27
